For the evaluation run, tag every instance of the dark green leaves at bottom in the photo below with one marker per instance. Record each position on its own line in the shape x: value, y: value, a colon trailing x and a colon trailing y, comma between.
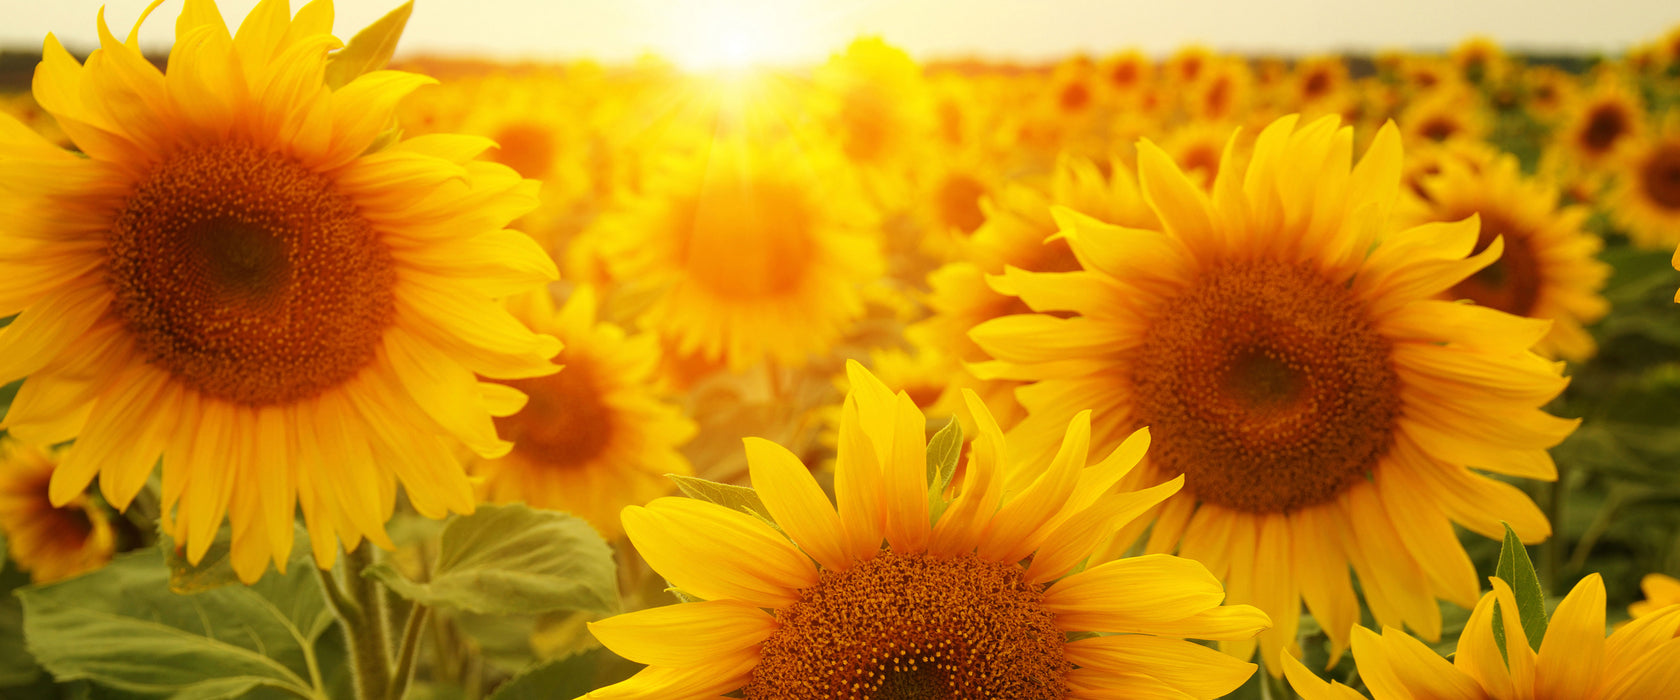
x: 1517, y: 571
x: 123, y: 628
x: 515, y: 560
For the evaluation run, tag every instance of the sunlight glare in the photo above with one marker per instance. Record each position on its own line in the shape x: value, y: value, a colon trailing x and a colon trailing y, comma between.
x: 733, y: 34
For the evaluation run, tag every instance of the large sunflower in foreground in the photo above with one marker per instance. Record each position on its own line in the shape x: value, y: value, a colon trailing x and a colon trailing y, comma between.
x: 1575, y: 659
x: 752, y: 255
x: 903, y: 593
x: 1549, y: 268
x: 242, y: 275
x: 50, y: 542
x: 1289, y: 355
x: 593, y: 437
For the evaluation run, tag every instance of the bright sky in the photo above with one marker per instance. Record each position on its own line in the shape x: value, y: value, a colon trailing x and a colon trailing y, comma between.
x: 707, y: 33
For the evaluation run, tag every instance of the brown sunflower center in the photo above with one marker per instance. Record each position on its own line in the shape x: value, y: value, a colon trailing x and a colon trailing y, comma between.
x: 1439, y: 128
x: 1604, y: 126
x: 1660, y: 176
x: 1316, y: 85
x: 565, y: 422
x: 249, y: 277
x: 903, y: 627
x: 749, y: 240
x: 959, y: 203
x: 1266, y: 386
x: 1074, y: 97
x: 1511, y: 283
x: 527, y: 148
x: 866, y: 121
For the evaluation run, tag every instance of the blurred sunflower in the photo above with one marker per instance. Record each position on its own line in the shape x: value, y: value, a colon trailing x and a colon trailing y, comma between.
x: 243, y: 275
x: 1127, y: 73
x: 593, y: 437
x: 1549, y: 269
x: 1289, y: 355
x: 1480, y: 59
x: 1225, y: 94
x: 1198, y: 147
x: 1017, y: 233
x: 538, y: 134
x: 753, y: 255
x: 1550, y: 91
x: 1660, y: 590
x: 1595, y: 124
x: 1645, y: 199
x: 1319, y: 78
x: 1446, y: 113
x: 48, y: 542
x: 905, y: 593
x: 1575, y: 660
x: 876, y: 103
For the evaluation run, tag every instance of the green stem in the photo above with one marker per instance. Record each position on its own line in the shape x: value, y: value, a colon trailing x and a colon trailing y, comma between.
x: 361, y: 612
x: 407, y: 651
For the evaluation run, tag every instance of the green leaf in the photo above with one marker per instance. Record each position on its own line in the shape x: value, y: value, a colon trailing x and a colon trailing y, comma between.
x: 942, y: 453
x: 1516, y: 569
x: 122, y: 627
x: 741, y: 498
x: 17, y: 667
x: 370, y: 49
x: 515, y: 560
x: 556, y: 680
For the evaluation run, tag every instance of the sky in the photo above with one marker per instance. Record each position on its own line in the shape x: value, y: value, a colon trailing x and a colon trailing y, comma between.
x: 710, y: 33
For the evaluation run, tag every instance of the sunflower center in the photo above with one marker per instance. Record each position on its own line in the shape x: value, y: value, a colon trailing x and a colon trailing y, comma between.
x: 1660, y: 176
x: 249, y: 277
x: 1439, y: 128
x: 866, y: 118
x: 903, y: 627
x: 1074, y: 97
x: 750, y: 240
x: 1267, y: 387
x: 1511, y: 283
x: 1604, y: 126
x: 959, y: 203
x: 527, y: 148
x: 564, y: 424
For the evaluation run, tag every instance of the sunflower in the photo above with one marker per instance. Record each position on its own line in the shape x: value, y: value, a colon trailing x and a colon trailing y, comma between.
x: 1645, y: 199
x: 1575, y: 659
x: 1599, y: 120
x: 244, y: 275
x: 1480, y: 59
x: 47, y: 541
x: 753, y: 255
x: 534, y: 123
x: 1660, y: 591
x: 1198, y: 148
x: 1446, y: 113
x: 1549, y: 269
x: 876, y: 104
x: 1319, y: 78
x: 903, y: 593
x: 1289, y: 355
x: 593, y: 438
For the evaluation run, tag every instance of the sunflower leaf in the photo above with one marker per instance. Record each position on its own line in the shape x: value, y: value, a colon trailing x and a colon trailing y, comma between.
x: 514, y: 560
x: 122, y: 628
x: 370, y: 49
x: 942, y: 453
x: 730, y: 496
x: 1516, y: 569
x: 567, y: 678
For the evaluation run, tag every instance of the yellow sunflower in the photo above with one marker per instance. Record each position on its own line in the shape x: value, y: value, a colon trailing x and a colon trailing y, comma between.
x: 244, y: 276
x: 1289, y: 355
x: 1660, y: 591
x: 1549, y: 269
x: 1575, y: 659
x: 1445, y: 113
x: 1598, y: 121
x: 1645, y: 199
x: 47, y: 541
x: 754, y: 255
x: 906, y: 593
x: 593, y: 437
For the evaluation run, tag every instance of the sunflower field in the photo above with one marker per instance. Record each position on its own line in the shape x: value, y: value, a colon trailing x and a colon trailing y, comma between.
x: 333, y: 372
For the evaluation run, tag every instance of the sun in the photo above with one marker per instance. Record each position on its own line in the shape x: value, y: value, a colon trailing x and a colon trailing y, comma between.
x: 720, y: 36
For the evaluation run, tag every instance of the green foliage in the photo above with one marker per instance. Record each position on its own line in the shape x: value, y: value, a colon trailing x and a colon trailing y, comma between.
x: 1516, y: 570
x: 514, y: 560
x: 730, y: 496
x: 942, y: 453
x: 122, y: 627
x: 370, y: 49
x: 556, y: 680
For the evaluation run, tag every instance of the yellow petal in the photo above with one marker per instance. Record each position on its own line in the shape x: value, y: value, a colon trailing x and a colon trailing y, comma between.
x: 690, y: 634
x: 1572, y: 653
x: 1123, y: 594
x: 1193, y: 669
x: 796, y: 503
x: 716, y: 553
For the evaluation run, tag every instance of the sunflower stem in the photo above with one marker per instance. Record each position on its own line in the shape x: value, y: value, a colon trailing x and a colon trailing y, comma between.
x: 407, y: 651
x: 361, y: 612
